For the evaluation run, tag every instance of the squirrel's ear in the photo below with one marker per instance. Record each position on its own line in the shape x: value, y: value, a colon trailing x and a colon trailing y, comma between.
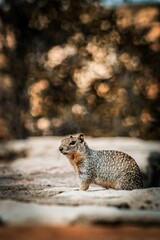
x: 81, y: 137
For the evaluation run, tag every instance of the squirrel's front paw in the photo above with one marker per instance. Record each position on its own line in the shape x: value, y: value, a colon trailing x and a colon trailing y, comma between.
x: 84, y: 186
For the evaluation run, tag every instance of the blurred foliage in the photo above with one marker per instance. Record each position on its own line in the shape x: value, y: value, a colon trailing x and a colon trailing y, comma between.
x: 75, y: 66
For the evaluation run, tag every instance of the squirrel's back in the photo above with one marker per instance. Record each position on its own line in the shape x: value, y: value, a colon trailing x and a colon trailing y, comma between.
x: 107, y: 168
x: 117, y: 168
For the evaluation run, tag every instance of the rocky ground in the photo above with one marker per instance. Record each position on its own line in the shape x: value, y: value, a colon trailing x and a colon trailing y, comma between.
x: 38, y: 187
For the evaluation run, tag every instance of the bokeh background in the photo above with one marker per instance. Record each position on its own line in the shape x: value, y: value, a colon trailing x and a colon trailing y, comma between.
x: 71, y: 66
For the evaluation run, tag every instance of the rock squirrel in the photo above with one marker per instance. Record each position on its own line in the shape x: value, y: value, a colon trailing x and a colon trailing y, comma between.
x: 109, y: 169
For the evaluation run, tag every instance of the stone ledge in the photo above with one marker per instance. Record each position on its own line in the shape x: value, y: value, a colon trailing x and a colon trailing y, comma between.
x: 18, y: 213
x: 42, y: 188
x: 135, y: 199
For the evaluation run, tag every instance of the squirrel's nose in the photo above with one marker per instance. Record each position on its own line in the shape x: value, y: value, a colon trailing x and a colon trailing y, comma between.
x: 60, y: 149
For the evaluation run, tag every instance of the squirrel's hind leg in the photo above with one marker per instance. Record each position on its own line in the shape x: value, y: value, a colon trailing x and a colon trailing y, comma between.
x: 129, y: 181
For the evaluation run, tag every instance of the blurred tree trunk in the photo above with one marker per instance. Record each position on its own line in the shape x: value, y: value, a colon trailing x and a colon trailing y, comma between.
x: 14, y: 100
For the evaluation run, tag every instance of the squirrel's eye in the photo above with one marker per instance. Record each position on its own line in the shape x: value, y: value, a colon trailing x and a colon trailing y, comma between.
x: 72, y: 143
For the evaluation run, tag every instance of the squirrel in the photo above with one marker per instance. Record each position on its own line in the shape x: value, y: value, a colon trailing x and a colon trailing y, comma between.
x: 107, y: 168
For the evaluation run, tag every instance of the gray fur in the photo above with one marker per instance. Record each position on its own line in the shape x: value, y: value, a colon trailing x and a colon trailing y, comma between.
x: 109, y: 169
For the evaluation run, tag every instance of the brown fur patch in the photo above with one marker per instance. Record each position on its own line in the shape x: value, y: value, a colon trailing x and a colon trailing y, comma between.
x: 104, y: 184
x: 76, y: 160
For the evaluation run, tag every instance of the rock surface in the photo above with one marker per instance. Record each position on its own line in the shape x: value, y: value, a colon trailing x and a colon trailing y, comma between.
x: 42, y: 187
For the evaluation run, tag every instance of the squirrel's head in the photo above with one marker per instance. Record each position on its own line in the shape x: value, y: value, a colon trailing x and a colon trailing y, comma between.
x: 71, y: 145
